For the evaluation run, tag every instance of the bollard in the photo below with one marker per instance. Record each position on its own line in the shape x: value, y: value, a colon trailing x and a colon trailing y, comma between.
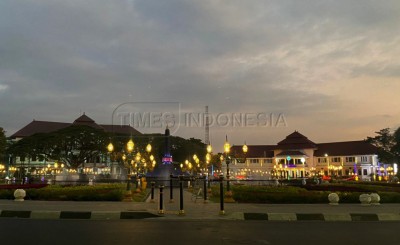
x: 171, y: 190
x: 209, y: 185
x: 137, y: 184
x: 152, y: 192
x: 205, y: 190
x: 375, y: 198
x: 161, y: 210
x: 181, y: 211
x: 333, y: 199
x: 221, y: 195
x: 19, y: 195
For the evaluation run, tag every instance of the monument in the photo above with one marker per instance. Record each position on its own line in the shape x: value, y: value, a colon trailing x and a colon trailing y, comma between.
x: 163, y: 170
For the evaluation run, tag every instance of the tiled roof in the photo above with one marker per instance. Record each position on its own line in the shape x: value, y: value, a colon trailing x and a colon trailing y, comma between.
x: 39, y: 127
x: 349, y: 148
x: 296, y: 140
x: 291, y: 153
x: 120, y: 129
x: 256, y: 151
x: 48, y: 127
x: 84, y: 119
x: 87, y: 121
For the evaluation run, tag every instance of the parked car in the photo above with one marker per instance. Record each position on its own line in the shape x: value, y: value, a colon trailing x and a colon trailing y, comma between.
x: 351, y: 178
x: 326, y: 177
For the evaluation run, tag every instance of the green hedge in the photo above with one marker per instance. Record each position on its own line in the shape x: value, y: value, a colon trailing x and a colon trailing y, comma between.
x: 6, y: 194
x: 109, y: 192
x: 285, y: 194
x: 296, y: 195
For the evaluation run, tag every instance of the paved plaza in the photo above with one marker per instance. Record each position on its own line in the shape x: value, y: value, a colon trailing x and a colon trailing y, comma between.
x: 196, y: 209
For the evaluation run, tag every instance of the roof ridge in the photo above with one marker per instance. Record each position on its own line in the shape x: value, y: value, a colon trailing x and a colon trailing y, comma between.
x: 48, y: 121
x: 336, y: 142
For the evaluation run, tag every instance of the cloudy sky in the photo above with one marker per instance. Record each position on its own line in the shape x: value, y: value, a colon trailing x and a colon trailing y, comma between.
x: 330, y: 68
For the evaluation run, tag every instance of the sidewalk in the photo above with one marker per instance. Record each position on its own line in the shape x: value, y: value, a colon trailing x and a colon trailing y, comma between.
x: 196, y: 210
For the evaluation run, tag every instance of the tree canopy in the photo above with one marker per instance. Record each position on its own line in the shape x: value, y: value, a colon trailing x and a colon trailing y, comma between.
x: 3, y: 143
x: 388, y: 144
x: 72, y: 146
x: 78, y: 144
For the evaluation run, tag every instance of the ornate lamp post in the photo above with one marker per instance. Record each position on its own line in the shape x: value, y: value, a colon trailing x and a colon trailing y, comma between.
x: 208, y: 160
x: 303, y: 160
x: 129, y: 147
x: 110, y: 149
x: 227, y: 148
x: 2, y: 169
x: 245, y: 148
x: 327, y: 161
x: 197, y: 162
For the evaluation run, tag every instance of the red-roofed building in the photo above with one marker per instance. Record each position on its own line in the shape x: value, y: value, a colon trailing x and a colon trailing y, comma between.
x: 35, y: 127
x: 296, y: 156
x: 96, y: 164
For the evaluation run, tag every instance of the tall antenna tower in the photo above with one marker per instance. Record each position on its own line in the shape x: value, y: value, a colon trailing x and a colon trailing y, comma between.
x: 207, y: 127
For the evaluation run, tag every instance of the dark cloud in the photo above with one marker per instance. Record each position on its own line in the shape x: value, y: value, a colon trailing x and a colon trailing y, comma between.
x: 59, y: 58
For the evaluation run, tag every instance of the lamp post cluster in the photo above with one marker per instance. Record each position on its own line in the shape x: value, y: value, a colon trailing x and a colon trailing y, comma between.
x: 228, y: 158
x: 198, y: 165
x: 54, y: 170
x: 2, y: 170
x: 384, y: 173
x: 334, y: 170
x: 136, y: 164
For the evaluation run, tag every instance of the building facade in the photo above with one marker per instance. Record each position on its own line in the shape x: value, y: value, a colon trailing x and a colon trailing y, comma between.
x: 39, y: 165
x: 297, y: 157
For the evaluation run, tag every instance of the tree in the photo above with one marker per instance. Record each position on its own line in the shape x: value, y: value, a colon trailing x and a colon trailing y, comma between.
x: 184, y: 149
x: 3, y: 143
x: 384, y: 141
x: 181, y: 149
x: 76, y: 144
x: 72, y: 146
x: 396, y: 147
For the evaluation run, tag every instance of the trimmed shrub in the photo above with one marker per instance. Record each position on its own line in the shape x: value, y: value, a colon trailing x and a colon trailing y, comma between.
x: 290, y: 194
x: 7, y: 194
x: 389, y: 197
x: 110, y: 192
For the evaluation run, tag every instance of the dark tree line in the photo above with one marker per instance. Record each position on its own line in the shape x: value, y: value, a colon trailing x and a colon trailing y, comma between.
x: 3, y: 144
x: 78, y: 144
x: 72, y: 145
x: 388, y: 144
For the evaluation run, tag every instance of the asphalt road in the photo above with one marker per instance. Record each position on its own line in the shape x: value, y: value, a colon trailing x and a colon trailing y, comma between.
x: 113, y: 232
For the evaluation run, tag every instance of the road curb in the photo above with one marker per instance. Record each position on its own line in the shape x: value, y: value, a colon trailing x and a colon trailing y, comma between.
x: 45, y: 215
x: 117, y: 215
x: 322, y: 216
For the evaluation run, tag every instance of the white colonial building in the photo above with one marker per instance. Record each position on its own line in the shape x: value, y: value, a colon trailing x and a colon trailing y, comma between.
x: 296, y: 157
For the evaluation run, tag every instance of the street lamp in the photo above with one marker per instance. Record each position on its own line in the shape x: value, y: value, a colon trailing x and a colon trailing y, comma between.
x: 245, y: 148
x: 129, y: 147
x: 2, y: 169
x: 327, y: 160
x: 209, y: 149
x: 303, y: 160
x: 148, y: 148
x: 208, y: 160
x: 110, y: 147
x: 227, y: 148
